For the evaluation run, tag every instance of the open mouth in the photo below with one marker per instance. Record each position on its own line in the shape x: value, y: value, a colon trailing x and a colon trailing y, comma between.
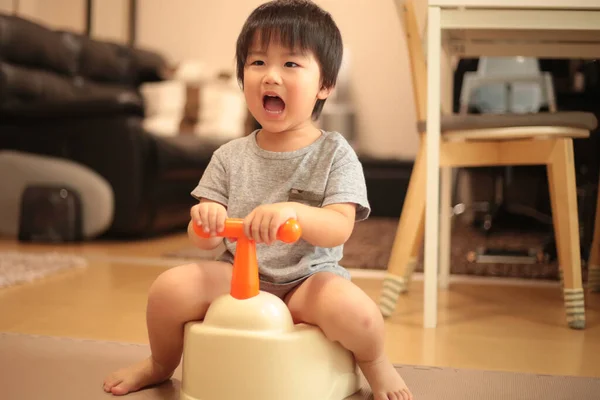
x: 273, y: 104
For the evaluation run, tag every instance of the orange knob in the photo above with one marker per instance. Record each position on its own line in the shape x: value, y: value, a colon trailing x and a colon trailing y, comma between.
x: 290, y: 231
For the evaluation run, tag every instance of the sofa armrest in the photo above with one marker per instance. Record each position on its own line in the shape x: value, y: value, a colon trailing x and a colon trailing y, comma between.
x: 122, y: 104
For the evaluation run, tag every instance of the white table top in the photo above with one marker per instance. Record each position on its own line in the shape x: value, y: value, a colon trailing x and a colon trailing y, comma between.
x: 523, y: 4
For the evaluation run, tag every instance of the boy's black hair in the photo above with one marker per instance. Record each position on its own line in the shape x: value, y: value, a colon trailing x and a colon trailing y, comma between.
x: 297, y: 23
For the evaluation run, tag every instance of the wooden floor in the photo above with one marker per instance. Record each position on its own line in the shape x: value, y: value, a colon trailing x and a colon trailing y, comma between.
x: 483, y: 323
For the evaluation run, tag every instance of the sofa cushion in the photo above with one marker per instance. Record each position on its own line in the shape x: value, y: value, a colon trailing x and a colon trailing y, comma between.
x: 27, y: 86
x: 29, y: 44
x: 105, y: 62
x: 35, y: 46
x: 148, y: 66
x: 112, y: 62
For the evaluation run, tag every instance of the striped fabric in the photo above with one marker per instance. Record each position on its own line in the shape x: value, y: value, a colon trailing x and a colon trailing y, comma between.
x: 393, y: 287
x: 574, y: 307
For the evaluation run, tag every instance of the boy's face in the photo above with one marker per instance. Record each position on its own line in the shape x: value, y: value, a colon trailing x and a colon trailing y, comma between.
x: 281, y: 86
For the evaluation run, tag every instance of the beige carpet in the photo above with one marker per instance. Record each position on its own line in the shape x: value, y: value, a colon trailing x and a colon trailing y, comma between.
x: 17, y: 268
x: 40, y: 367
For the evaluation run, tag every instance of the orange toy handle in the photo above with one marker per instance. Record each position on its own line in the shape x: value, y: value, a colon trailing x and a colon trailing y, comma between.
x: 244, y: 281
x: 289, y: 232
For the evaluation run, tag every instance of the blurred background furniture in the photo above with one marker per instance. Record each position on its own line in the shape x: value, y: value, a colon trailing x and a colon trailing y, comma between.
x: 471, y: 140
x: 67, y: 96
x: 505, y: 85
x: 568, y: 29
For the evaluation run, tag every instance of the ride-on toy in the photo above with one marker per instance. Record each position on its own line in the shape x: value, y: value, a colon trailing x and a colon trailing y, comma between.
x: 248, y: 347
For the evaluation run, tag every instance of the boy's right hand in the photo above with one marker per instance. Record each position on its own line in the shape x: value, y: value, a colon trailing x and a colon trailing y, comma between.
x: 210, y: 216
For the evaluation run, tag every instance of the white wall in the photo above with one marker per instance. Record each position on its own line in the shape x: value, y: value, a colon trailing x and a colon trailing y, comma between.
x: 110, y: 20
x: 6, y: 6
x: 110, y: 17
x: 207, y: 30
x: 59, y: 14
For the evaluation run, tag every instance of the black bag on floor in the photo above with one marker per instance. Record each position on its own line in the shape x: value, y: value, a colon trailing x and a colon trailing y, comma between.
x: 50, y: 214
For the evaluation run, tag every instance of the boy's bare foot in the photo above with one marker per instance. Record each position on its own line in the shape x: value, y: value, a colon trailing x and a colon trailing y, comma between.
x: 136, y: 377
x: 385, y: 382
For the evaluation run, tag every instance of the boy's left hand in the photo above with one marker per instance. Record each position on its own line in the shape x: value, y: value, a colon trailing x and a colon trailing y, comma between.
x: 262, y: 223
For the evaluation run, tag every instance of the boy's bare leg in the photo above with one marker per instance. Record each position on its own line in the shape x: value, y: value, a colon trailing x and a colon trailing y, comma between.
x: 179, y: 295
x: 347, y: 315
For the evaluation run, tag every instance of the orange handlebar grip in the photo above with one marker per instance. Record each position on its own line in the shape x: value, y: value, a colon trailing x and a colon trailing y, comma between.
x: 234, y: 228
x: 289, y: 232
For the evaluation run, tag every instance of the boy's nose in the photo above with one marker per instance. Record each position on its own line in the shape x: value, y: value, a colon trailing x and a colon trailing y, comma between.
x: 272, y: 77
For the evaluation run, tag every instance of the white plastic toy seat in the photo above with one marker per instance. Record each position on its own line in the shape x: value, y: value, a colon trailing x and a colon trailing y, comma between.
x: 248, y: 346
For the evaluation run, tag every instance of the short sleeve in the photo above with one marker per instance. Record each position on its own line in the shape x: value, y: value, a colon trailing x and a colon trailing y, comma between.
x: 346, y: 184
x: 213, y: 184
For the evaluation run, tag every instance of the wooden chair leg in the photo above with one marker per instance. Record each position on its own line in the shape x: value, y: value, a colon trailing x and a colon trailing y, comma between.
x: 408, y: 239
x: 593, y: 282
x: 561, y: 179
x: 445, y: 227
x: 555, y: 225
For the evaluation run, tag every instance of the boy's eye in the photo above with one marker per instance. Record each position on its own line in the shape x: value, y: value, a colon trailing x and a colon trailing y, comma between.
x: 291, y: 64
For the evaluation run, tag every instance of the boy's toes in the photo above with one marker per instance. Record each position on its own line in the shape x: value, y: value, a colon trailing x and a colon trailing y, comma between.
x: 110, y: 382
x: 119, y: 390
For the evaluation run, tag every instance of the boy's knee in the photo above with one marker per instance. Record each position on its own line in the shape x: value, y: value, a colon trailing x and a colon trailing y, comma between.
x: 351, y: 309
x: 173, y: 285
x: 189, y: 286
x: 362, y: 315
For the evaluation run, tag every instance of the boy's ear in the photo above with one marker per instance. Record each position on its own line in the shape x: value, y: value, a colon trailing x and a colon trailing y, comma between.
x: 324, y: 92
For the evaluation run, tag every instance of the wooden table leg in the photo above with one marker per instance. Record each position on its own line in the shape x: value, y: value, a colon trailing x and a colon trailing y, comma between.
x: 432, y: 203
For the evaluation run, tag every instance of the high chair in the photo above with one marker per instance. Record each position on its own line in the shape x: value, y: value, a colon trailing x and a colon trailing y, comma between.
x: 475, y: 140
x: 507, y: 85
x: 503, y: 85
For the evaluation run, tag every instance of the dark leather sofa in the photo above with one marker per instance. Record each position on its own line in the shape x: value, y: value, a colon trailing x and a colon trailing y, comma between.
x: 67, y: 96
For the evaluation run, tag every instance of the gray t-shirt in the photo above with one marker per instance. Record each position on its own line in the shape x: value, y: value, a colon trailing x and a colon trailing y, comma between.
x: 242, y: 176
